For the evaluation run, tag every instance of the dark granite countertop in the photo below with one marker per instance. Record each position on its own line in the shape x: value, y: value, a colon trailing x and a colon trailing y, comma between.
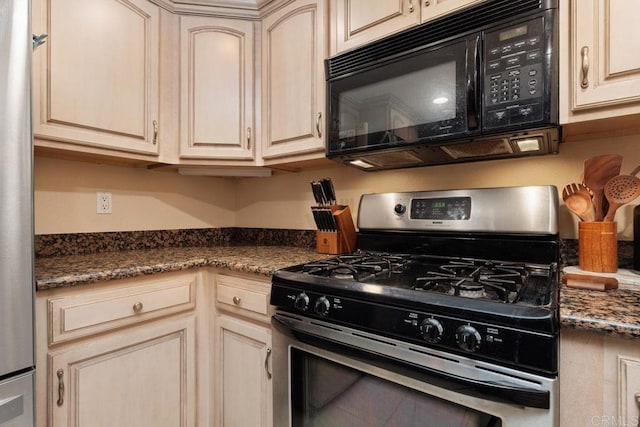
x: 615, y: 312
x: 72, y: 270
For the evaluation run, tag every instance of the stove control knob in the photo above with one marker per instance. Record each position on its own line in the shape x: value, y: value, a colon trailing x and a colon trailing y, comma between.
x: 399, y: 209
x: 301, y: 302
x: 322, y: 306
x: 431, y: 330
x: 468, y: 338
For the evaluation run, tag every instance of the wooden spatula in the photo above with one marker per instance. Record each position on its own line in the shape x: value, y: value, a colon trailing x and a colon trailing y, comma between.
x: 598, y: 171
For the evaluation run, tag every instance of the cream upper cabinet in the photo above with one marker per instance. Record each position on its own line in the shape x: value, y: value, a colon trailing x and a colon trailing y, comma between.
x: 294, y: 47
x: 356, y: 22
x: 96, y: 78
x: 216, y: 88
x: 601, y: 59
x: 432, y: 9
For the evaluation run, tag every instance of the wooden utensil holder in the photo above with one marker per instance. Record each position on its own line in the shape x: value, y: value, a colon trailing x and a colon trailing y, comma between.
x: 598, y: 246
x: 341, y: 241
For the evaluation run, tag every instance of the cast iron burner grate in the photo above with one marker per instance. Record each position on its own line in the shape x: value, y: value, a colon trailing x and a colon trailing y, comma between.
x: 359, y: 266
x: 476, y: 279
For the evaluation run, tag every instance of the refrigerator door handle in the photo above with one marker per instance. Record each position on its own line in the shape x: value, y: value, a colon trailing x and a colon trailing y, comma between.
x: 11, y: 407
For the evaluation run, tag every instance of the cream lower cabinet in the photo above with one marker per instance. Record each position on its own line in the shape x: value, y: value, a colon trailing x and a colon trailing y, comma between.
x: 600, y: 59
x: 599, y: 380
x: 139, y: 378
x: 216, y: 89
x: 294, y: 47
x: 96, y: 79
x: 125, y: 353
x: 242, y: 346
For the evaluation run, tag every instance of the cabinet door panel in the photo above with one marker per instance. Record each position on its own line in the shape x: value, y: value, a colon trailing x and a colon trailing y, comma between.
x: 142, y: 378
x: 216, y: 88
x: 360, y: 21
x: 96, y: 82
x: 606, y: 39
x: 244, y: 387
x: 434, y: 8
x: 294, y: 48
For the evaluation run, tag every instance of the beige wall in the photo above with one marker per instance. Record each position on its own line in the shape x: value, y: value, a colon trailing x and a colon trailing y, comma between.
x: 65, y: 199
x: 65, y: 191
x: 283, y: 201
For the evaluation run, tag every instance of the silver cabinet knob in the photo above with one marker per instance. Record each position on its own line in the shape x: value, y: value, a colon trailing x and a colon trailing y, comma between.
x: 236, y: 300
x: 137, y: 307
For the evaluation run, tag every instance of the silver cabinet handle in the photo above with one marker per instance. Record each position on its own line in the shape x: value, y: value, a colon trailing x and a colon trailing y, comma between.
x: 318, y: 125
x: 60, y: 374
x: 236, y: 300
x: 249, y: 138
x: 155, y: 132
x: 266, y: 363
x: 584, y: 53
x: 39, y: 40
x: 137, y: 307
x: 411, y: 6
x: 427, y: 3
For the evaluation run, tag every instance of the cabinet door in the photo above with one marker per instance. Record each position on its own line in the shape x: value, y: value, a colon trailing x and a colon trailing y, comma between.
x: 244, y: 377
x: 216, y: 88
x: 355, y: 22
x: 604, y: 53
x: 143, y: 378
x: 435, y: 8
x: 294, y: 47
x: 96, y: 78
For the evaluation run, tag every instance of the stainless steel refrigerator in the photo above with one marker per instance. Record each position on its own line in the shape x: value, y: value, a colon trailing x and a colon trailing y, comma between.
x: 16, y: 217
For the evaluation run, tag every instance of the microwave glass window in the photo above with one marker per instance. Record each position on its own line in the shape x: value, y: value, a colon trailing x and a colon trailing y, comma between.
x: 422, y: 96
x: 401, y: 101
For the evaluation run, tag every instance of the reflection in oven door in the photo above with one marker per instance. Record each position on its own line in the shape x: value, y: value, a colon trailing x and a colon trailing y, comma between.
x: 325, y: 393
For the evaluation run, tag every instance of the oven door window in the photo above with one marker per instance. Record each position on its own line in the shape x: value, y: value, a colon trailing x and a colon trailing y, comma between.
x: 415, y: 98
x: 327, y: 394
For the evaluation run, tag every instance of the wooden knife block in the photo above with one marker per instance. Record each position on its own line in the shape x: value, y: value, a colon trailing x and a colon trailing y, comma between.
x: 338, y: 242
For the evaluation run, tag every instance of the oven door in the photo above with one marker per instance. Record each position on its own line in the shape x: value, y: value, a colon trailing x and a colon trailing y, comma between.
x: 326, y: 375
x: 420, y: 97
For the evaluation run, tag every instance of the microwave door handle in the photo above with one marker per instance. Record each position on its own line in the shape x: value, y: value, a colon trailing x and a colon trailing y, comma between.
x: 473, y: 83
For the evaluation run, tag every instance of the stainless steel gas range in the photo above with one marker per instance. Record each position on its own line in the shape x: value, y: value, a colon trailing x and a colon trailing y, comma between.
x: 445, y: 315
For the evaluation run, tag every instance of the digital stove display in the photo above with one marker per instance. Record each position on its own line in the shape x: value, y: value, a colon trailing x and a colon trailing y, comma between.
x: 449, y: 208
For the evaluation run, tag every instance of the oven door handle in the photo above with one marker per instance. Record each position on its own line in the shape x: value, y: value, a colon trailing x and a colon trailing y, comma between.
x: 489, y: 390
x: 473, y: 82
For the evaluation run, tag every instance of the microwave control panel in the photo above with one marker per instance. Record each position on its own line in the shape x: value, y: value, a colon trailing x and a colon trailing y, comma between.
x: 514, y: 75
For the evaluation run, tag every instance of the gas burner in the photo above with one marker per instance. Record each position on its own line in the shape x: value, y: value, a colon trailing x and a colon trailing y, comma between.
x: 357, y: 266
x: 476, y: 279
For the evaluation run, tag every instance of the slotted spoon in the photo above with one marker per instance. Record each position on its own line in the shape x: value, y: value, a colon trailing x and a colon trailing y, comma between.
x: 619, y: 191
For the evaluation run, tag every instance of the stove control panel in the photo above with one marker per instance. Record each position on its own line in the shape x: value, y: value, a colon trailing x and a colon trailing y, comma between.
x: 448, y: 332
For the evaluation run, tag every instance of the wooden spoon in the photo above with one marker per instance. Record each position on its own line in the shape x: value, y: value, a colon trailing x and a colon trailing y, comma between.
x: 619, y: 191
x: 598, y: 171
x: 578, y: 200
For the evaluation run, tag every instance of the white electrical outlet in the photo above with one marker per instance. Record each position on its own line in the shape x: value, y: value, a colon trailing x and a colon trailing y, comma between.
x: 103, y: 203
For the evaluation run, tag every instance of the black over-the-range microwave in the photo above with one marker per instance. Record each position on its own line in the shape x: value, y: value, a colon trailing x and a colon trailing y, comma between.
x: 479, y: 84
